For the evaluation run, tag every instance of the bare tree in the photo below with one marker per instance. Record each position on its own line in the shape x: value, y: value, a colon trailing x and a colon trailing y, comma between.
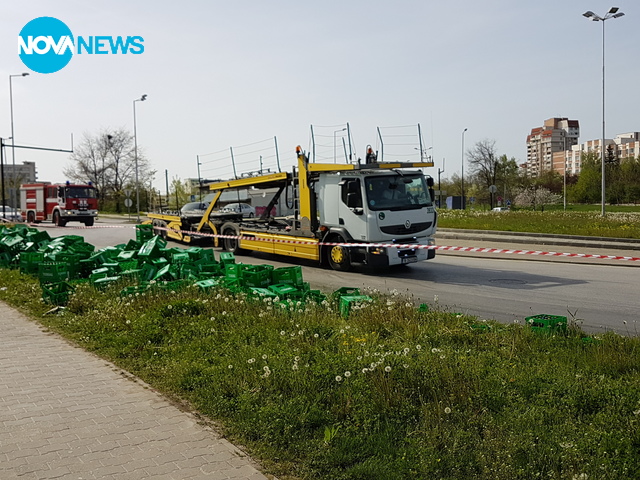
x: 108, y: 160
x: 483, y: 162
x: 89, y: 162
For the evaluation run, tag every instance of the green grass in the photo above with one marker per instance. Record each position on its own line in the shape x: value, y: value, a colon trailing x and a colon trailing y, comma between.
x: 616, y: 225
x: 389, y: 393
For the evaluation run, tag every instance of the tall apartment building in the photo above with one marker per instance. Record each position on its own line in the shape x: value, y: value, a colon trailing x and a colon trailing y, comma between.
x: 16, y: 175
x: 624, y: 145
x: 556, y: 135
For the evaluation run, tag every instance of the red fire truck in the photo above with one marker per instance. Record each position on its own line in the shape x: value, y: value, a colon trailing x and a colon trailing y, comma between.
x: 60, y: 203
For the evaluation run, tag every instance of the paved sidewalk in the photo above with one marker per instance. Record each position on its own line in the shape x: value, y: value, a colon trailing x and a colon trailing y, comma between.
x: 67, y: 414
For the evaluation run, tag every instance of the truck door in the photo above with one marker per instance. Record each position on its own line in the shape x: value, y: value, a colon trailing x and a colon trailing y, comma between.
x: 351, y: 215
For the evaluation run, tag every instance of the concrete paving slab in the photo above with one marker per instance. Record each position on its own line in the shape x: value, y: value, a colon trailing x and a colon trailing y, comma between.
x: 67, y: 414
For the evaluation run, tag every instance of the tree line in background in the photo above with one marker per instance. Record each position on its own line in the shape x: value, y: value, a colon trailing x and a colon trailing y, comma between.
x: 487, y: 168
x: 108, y: 160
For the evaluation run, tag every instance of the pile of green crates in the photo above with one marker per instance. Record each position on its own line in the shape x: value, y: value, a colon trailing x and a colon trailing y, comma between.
x: 146, y: 262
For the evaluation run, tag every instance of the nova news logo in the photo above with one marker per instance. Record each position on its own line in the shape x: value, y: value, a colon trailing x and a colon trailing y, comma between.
x: 46, y: 45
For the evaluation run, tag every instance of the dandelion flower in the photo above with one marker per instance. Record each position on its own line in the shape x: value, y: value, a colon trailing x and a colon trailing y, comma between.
x: 347, y: 374
x: 283, y: 333
x: 387, y: 369
x: 251, y: 360
x: 264, y: 357
x: 230, y: 367
x: 315, y: 335
x: 418, y: 347
x: 447, y: 410
x: 338, y: 378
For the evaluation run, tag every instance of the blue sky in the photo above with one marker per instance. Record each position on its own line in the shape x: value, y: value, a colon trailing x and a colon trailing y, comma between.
x: 220, y: 74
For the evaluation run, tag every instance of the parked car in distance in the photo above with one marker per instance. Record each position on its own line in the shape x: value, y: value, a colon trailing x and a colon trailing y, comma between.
x: 500, y: 209
x: 10, y: 214
x: 194, y: 209
x: 244, y: 208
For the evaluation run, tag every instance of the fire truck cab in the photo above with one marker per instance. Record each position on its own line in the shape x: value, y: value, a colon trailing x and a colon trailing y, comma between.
x: 59, y: 203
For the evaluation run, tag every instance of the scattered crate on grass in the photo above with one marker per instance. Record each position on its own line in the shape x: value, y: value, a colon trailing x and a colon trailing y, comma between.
x: 57, y: 293
x: 547, y: 323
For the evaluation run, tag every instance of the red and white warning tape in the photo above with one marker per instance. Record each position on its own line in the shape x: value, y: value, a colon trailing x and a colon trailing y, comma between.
x: 380, y: 245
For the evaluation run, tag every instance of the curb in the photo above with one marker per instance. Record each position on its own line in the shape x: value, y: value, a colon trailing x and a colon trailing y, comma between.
x: 539, y: 239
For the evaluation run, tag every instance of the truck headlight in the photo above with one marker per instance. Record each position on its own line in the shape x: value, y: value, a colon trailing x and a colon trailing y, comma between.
x: 377, y: 250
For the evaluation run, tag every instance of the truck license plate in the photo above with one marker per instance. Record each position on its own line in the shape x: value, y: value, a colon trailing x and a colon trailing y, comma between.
x: 409, y: 260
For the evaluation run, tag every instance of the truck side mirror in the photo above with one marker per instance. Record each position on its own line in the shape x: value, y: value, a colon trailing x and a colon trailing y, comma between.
x: 430, y: 182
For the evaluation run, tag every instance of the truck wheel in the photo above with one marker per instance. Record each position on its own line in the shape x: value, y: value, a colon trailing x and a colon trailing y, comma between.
x: 231, y: 244
x: 88, y: 222
x: 57, y: 219
x: 339, y: 256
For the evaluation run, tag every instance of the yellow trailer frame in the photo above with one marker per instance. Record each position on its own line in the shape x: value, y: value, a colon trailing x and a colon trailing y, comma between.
x: 301, y: 242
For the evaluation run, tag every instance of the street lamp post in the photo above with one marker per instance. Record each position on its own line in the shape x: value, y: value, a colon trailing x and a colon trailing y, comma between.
x: 14, y: 203
x: 440, y: 171
x: 464, y: 204
x: 135, y: 149
x: 334, y: 142
x: 612, y: 13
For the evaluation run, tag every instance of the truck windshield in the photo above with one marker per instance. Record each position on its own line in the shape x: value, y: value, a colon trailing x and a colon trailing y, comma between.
x: 397, y: 192
x: 80, y: 192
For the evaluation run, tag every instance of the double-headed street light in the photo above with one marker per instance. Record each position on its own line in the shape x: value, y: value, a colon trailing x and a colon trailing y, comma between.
x: 14, y: 203
x: 135, y: 150
x: 612, y: 13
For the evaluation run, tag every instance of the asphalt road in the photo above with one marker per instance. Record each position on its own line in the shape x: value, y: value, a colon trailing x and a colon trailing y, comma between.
x: 600, y: 295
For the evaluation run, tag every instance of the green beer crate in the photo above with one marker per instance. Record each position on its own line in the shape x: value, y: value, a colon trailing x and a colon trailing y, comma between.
x: 547, y: 323
x: 347, y: 301
x: 56, y: 293
x: 144, y: 232
x: 104, y: 282
x: 257, y: 275
x: 29, y: 261
x: 227, y: 258
x: 290, y: 275
x: 207, y: 284
x: 53, y: 272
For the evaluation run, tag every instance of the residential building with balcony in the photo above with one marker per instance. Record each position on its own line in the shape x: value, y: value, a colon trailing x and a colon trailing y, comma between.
x: 556, y: 135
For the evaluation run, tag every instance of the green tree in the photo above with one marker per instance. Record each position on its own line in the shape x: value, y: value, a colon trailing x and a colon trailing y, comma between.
x: 588, y: 187
x: 630, y: 179
x: 551, y: 180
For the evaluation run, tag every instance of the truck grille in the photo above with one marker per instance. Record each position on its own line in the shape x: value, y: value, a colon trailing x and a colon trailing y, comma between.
x: 402, y: 230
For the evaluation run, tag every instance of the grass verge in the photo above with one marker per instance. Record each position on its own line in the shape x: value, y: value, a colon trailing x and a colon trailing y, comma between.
x: 388, y: 393
x: 614, y: 225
